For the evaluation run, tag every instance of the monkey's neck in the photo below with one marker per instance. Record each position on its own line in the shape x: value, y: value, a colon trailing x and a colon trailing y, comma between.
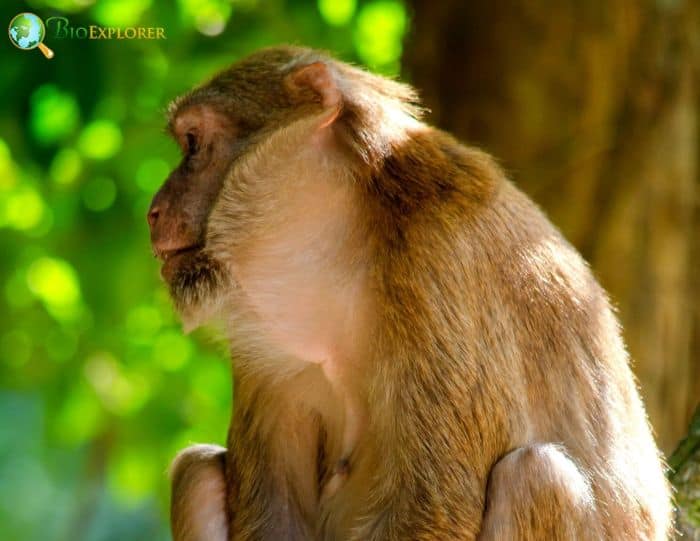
x: 302, y: 433
x: 302, y: 400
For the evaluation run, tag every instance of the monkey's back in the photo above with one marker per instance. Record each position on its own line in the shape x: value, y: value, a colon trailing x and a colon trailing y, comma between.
x: 574, y: 370
x: 525, y: 347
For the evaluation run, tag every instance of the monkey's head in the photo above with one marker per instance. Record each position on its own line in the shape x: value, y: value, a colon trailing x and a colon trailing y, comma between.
x: 273, y: 144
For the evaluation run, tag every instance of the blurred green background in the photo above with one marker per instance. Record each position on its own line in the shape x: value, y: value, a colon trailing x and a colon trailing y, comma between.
x: 592, y: 107
x: 98, y: 385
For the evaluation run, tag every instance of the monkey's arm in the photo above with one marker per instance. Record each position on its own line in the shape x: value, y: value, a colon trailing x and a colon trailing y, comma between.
x: 198, y: 501
x: 537, y: 492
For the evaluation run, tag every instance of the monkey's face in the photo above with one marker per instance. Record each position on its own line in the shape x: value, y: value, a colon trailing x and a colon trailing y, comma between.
x: 260, y: 204
x: 179, y: 211
x: 233, y: 199
x: 214, y: 125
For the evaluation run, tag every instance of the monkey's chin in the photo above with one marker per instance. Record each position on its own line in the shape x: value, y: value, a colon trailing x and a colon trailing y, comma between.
x: 197, y: 283
x: 172, y: 265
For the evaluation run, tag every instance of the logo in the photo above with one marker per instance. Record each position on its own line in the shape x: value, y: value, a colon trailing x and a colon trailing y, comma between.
x: 61, y: 28
x: 27, y: 32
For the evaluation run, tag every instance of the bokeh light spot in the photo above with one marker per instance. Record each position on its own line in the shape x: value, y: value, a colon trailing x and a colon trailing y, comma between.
x: 68, y: 6
x: 209, y: 16
x: 143, y: 322
x: 379, y: 35
x: 99, y: 194
x: 172, y: 350
x: 337, y: 12
x: 66, y: 166
x: 44, y: 226
x: 55, y: 283
x: 8, y: 172
x: 121, y: 393
x: 54, y: 114
x: 120, y: 12
x: 133, y: 474
x: 157, y: 64
x: 79, y: 417
x: 151, y: 173
x: 21, y: 208
x: 100, y: 140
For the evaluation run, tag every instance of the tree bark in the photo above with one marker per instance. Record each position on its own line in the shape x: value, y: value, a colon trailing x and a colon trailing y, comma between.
x: 593, y: 109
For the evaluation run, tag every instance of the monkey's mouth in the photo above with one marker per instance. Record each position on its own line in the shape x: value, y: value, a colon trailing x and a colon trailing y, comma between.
x: 173, y: 259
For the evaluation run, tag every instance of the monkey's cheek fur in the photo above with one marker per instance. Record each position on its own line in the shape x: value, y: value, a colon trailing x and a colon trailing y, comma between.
x: 172, y: 265
x: 193, y: 277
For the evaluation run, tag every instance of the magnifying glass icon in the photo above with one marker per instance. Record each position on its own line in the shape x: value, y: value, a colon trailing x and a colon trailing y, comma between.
x: 27, y: 31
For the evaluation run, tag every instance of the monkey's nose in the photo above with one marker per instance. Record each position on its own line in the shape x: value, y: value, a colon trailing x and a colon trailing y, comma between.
x: 152, y: 216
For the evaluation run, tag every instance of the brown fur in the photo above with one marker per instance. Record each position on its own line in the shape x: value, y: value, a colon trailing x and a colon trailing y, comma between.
x: 418, y: 354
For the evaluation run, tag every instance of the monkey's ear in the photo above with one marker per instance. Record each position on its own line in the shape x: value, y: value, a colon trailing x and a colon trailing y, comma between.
x: 318, y: 79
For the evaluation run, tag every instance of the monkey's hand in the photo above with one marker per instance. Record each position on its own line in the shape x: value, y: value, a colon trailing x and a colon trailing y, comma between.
x: 198, y: 500
x: 537, y: 492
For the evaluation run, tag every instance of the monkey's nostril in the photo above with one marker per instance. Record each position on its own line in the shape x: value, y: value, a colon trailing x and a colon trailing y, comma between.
x: 153, y: 216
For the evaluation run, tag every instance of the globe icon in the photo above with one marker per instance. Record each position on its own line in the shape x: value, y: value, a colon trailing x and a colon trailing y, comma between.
x: 27, y: 32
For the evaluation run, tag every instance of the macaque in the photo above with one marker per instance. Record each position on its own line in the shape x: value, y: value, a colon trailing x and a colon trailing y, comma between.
x: 417, y: 352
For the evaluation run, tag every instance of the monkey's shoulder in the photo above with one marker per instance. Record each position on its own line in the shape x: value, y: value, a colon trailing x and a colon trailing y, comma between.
x: 430, y: 167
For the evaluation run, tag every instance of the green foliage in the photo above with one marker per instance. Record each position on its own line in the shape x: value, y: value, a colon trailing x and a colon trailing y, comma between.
x: 684, y: 474
x: 98, y: 385
x: 380, y: 27
x: 337, y: 12
x: 54, y: 114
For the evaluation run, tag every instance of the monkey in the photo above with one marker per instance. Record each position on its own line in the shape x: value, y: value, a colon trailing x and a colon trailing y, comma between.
x: 417, y: 352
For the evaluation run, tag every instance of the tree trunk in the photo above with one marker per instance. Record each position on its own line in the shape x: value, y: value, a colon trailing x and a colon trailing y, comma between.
x: 593, y: 108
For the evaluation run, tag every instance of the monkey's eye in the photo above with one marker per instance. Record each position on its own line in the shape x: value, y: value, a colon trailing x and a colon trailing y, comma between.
x: 191, y: 144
